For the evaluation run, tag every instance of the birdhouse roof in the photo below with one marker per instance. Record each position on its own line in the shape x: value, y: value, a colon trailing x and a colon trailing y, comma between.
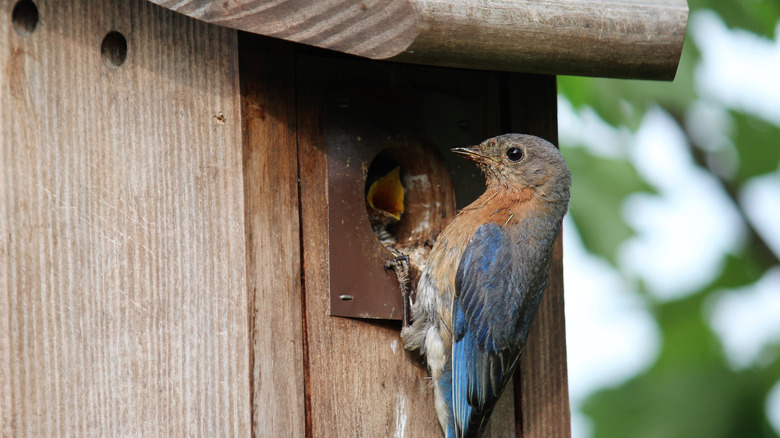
x: 639, y: 39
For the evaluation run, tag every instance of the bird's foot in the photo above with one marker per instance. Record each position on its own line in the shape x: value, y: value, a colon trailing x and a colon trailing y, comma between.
x: 403, y: 272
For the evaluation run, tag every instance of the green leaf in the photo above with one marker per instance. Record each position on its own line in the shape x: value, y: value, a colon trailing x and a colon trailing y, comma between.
x: 690, y: 401
x: 739, y: 271
x: 757, y: 16
x: 624, y: 102
x: 690, y: 392
x: 758, y: 144
x: 600, y: 185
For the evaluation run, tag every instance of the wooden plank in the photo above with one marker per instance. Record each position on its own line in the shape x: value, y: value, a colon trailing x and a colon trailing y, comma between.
x: 273, y: 237
x: 124, y: 299
x: 542, y: 409
x: 6, y: 399
x: 613, y: 38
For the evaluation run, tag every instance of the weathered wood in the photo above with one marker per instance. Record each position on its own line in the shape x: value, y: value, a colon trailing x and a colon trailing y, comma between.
x: 139, y: 297
x: 542, y: 409
x: 374, y: 28
x: 123, y: 308
x: 611, y: 38
x: 6, y: 345
x: 273, y: 237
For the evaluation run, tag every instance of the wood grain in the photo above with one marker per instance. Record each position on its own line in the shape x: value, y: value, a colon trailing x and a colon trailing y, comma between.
x: 612, y: 38
x: 373, y: 28
x: 6, y: 398
x: 542, y: 408
x: 123, y: 304
x: 150, y: 279
x: 273, y: 236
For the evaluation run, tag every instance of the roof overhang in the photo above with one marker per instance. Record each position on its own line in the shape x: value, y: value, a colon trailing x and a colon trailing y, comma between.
x: 640, y: 39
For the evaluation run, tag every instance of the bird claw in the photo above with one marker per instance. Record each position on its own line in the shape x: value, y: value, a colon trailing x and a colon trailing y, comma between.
x: 402, y: 268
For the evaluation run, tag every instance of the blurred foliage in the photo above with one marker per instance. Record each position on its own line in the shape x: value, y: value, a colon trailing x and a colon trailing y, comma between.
x: 691, y: 391
x: 757, y: 16
x: 597, y: 196
x: 623, y: 102
x: 758, y: 143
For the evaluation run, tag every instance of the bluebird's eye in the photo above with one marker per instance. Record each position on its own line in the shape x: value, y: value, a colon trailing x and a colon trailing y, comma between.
x: 514, y: 154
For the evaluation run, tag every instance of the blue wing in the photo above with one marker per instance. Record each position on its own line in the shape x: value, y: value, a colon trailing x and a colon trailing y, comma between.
x: 495, y: 299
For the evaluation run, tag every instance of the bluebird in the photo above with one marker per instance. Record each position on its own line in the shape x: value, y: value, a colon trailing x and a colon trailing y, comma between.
x: 484, y: 278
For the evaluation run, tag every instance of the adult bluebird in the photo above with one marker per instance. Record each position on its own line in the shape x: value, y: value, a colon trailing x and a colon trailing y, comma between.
x: 485, y: 276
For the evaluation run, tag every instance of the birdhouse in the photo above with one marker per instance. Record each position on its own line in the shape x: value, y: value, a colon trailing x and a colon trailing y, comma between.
x: 198, y: 198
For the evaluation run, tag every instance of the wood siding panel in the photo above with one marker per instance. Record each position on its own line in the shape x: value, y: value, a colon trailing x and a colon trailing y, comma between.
x: 124, y: 301
x: 273, y: 236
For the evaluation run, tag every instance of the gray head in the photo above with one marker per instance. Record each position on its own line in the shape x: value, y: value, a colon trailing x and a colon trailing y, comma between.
x: 518, y: 161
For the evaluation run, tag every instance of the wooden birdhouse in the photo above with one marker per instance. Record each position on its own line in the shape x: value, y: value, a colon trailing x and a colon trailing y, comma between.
x: 187, y: 246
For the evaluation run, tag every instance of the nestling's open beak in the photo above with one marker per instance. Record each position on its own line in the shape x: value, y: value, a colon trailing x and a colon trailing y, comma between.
x: 387, y: 194
x: 470, y: 153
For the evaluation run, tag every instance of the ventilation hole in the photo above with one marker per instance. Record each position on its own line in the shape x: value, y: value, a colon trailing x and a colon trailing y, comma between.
x: 114, y: 49
x: 25, y: 17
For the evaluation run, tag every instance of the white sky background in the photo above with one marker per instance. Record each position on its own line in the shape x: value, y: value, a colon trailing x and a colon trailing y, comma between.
x: 683, y: 232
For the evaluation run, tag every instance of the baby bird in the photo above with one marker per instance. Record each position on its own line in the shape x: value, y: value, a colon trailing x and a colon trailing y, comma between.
x: 485, y: 276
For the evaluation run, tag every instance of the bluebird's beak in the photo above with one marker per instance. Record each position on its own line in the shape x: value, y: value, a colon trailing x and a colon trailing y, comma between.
x: 471, y: 153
